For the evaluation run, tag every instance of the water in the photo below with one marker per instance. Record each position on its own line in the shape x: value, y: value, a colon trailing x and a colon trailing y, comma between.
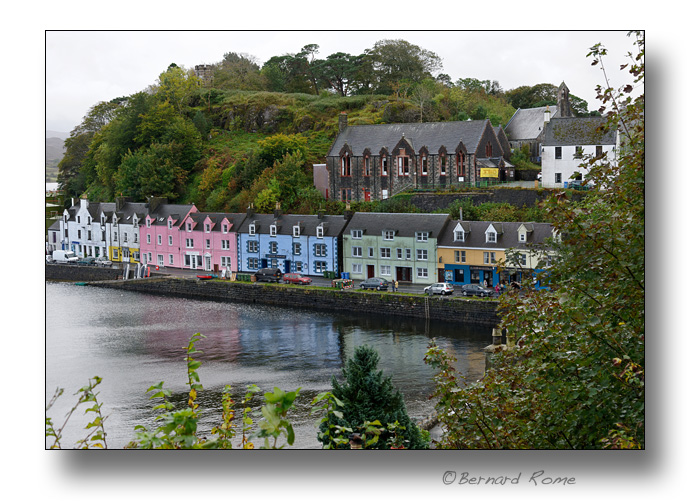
x: 134, y: 340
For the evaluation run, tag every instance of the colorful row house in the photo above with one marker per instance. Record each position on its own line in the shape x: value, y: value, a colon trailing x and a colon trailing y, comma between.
x: 164, y: 244
x: 471, y: 251
x: 395, y: 247
x: 307, y: 244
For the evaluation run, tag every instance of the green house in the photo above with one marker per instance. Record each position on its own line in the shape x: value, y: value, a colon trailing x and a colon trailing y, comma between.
x: 394, y: 247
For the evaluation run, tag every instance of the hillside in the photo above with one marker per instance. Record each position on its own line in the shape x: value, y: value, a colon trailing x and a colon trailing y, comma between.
x: 55, y: 150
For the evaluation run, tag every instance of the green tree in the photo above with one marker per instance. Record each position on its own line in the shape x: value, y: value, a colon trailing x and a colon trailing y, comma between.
x: 575, y: 377
x: 394, y: 61
x: 368, y: 396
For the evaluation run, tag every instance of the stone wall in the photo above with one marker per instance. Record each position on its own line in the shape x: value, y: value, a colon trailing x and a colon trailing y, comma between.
x: 453, y: 309
x: 74, y: 273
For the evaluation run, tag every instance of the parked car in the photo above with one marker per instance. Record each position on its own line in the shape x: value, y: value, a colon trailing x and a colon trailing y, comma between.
x: 444, y: 289
x: 65, y: 256
x: 376, y: 283
x: 86, y: 261
x: 475, y: 290
x: 103, y: 261
x: 268, y: 275
x: 296, y: 278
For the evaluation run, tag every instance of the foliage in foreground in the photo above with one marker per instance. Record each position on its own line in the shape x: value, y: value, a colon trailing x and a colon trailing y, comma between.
x: 177, y: 428
x: 575, y: 379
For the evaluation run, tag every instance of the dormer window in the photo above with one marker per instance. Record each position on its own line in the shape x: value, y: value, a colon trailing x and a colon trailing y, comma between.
x: 422, y: 236
x: 388, y: 235
x: 356, y: 234
x: 295, y: 231
x: 491, y: 237
x: 189, y: 227
x: 273, y: 230
x: 169, y: 223
x: 319, y: 231
x: 252, y: 229
x: 225, y: 228
x: 522, y: 237
x: 207, y: 227
x: 459, y: 235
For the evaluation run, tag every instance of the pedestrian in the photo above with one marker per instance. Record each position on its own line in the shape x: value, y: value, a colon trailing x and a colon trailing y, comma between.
x: 498, y: 289
x: 396, y: 286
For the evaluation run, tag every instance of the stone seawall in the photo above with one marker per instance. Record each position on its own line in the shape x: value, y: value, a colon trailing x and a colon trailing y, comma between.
x: 455, y: 309
x: 74, y: 273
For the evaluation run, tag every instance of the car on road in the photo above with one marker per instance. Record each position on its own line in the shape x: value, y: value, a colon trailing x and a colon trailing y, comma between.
x: 86, y: 261
x: 268, y: 275
x: 444, y: 289
x: 296, y: 278
x: 475, y: 290
x: 375, y: 283
x: 103, y: 261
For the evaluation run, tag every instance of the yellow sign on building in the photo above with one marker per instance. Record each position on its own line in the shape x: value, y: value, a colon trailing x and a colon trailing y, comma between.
x: 488, y: 172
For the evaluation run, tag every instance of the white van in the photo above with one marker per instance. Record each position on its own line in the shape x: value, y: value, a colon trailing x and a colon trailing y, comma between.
x: 65, y: 256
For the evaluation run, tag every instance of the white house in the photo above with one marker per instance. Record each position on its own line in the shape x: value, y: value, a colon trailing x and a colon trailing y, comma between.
x: 81, y: 230
x: 567, y: 141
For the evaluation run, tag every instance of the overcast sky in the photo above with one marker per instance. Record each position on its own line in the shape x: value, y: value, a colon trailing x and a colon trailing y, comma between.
x: 86, y: 67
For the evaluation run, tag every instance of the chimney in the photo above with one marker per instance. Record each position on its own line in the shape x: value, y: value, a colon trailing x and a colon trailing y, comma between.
x: 277, y: 213
x: 250, y: 210
x: 342, y: 122
x: 547, y: 115
x: 348, y: 213
x: 154, y: 203
x: 320, y: 214
x: 120, y: 202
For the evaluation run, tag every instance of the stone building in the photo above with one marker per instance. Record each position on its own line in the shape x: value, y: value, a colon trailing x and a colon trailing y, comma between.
x: 376, y: 161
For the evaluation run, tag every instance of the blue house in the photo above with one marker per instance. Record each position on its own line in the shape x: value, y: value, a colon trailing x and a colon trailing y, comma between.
x: 307, y: 244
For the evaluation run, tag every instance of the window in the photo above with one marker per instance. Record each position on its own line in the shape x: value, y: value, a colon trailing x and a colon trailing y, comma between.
x: 460, y: 160
x: 457, y: 256
x: 253, y: 263
x: 346, y: 195
x: 225, y: 228
x: 489, y: 149
x: 399, y: 253
x: 208, y: 244
x: 225, y: 244
x: 384, y: 166
x: 425, y: 166
x: 492, y: 256
x: 491, y: 237
x: 345, y: 170
x: 296, y: 248
x: 356, y: 251
x: 422, y: 236
x: 578, y: 152
x: 408, y: 254
x: 356, y: 234
x: 320, y: 249
x: 273, y: 230
x: 160, y: 259
x: 422, y: 273
x: 559, y: 152
x: 252, y: 229
x: 459, y: 235
x: 522, y: 238
x: 367, y: 166
x: 599, y: 151
x: 319, y: 231
x: 422, y: 255
x: 225, y: 262
x: 388, y: 235
x: 170, y: 241
x: 486, y: 258
x: 169, y: 223
x: 298, y: 267
x: 443, y: 164
x: 384, y: 193
x: 523, y: 259
x: 558, y: 178
x: 403, y: 166
x: 190, y: 242
x: 252, y: 247
x: 385, y: 270
x: 357, y: 268
x: 207, y: 227
x: 160, y: 240
x: 371, y: 251
x: 171, y: 259
x: 319, y: 266
x: 295, y: 231
x: 385, y: 252
x: 273, y: 247
x: 189, y: 227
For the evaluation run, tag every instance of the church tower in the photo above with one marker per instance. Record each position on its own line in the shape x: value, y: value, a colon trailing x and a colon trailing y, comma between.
x: 564, y: 101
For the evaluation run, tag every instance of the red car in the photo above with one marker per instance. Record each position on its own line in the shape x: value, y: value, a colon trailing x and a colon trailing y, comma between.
x: 296, y: 278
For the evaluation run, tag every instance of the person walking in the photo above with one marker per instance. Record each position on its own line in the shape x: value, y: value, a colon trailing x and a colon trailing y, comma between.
x: 395, y: 286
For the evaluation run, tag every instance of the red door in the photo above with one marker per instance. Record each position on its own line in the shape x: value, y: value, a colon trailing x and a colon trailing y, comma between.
x: 370, y: 271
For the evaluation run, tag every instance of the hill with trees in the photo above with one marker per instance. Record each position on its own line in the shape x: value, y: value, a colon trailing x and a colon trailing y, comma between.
x: 246, y: 133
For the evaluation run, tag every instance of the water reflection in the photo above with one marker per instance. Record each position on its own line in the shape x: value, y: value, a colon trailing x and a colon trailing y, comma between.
x: 135, y: 340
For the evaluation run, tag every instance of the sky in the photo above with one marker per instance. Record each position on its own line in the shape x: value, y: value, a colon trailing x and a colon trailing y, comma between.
x: 86, y: 67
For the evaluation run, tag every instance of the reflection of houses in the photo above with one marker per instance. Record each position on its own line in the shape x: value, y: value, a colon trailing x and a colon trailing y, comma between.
x: 307, y: 244
x: 527, y: 125
x: 470, y: 251
x: 377, y: 161
x: 398, y: 247
x: 567, y: 141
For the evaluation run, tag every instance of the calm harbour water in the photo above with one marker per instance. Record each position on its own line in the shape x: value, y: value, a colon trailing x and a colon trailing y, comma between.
x: 133, y: 341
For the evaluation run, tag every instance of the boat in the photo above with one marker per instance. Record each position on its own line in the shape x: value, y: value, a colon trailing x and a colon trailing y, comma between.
x: 206, y: 277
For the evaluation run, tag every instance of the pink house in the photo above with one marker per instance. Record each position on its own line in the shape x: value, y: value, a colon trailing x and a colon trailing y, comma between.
x: 208, y: 241
x: 161, y: 241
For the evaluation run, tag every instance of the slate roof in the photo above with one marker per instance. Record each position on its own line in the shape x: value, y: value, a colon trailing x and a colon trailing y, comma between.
x: 578, y: 131
x: 507, y: 236
x: 527, y: 124
x: 333, y: 225
x: 431, y: 135
x: 404, y: 225
x: 166, y: 210
x: 217, y: 218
